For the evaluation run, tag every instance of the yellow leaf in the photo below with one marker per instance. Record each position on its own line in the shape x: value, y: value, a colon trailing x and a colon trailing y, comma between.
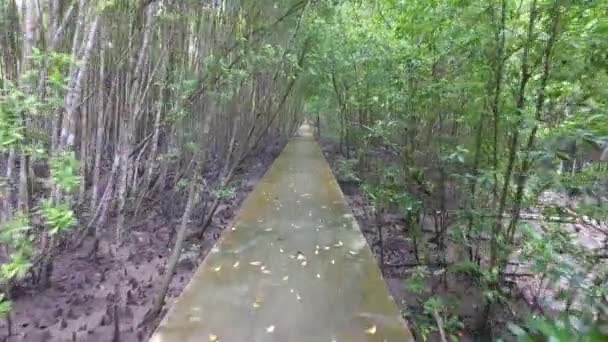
x: 371, y: 330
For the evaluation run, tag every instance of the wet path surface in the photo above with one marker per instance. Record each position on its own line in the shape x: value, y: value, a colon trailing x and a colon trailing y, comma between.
x: 294, y: 267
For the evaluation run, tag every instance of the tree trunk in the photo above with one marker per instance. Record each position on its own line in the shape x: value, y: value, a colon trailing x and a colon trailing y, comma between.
x: 514, y: 143
x: 74, y: 95
x: 175, y: 254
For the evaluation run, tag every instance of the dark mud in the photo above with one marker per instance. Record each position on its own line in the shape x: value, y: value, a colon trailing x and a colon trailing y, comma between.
x: 104, y: 298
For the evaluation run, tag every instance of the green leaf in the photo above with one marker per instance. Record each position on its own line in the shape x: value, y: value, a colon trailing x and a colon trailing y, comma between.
x: 516, y: 330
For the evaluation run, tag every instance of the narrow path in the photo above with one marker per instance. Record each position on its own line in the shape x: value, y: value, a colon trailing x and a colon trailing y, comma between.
x: 295, y: 267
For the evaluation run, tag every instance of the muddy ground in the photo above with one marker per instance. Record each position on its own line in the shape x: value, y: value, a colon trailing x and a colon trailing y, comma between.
x: 79, y: 303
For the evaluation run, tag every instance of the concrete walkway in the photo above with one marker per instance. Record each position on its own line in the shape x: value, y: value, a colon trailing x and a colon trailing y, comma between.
x: 294, y: 267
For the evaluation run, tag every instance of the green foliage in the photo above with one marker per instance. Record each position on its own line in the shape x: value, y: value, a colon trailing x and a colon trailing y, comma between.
x: 346, y: 170
x: 452, y: 325
x: 408, y: 203
x: 15, y: 269
x: 65, y: 171
x: 15, y: 236
x: 417, y: 282
x: 566, y: 329
x: 5, y: 305
x: 12, y: 103
x: 226, y: 193
x: 15, y: 232
x: 182, y: 184
x: 58, y: 216
x: 458, y: 155
x: 470, y: 269
x: 426, y: 322
x: 18, y: 102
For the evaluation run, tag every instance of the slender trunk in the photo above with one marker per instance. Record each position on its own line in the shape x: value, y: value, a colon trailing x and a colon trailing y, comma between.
x: 496, y: 255
x: 497, y: 94
x: 514, y: 143
x: 23, y: 199
x: 495, y: 108
x: 84, y: 155
x: 152, y: 159
x: 10, y: 166
x: 74, y: 96
x: 540, y: 100
x: 100, y: 215
x: 123, y: 155
x: 175, y: 254
x: 100, y: 127
x: 135, y: 94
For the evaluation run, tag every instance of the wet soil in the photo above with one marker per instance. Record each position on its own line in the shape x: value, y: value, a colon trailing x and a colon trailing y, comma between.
x: 104, y: 298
